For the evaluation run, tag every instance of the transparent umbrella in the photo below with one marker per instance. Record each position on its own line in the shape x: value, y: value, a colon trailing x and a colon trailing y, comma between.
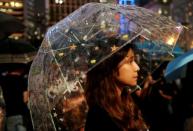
x: 76, y: 45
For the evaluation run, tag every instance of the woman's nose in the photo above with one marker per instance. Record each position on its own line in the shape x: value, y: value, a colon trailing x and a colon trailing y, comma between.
x: 136, y: 67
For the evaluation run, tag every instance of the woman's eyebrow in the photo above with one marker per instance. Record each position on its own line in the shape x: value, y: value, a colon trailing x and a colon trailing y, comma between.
x: 130, y: 57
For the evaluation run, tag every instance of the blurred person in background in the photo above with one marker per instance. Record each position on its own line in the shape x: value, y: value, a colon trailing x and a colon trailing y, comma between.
x: 14, y: 87
x: 183, y: 104
x: 2, y: 110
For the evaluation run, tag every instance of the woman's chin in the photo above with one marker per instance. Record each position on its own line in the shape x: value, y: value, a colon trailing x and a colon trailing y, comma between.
x: 134, y: 84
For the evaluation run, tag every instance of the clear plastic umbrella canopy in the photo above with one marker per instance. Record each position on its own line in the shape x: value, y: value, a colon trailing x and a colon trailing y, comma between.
x: 76, y: 45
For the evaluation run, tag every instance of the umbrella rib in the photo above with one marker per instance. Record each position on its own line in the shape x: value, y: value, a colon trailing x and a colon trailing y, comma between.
x: 75, y: 37
x: 94, y: 34
x: 66, y: 35
x: 52, y: 51
x: 59, y: 49
x: 90, y: 29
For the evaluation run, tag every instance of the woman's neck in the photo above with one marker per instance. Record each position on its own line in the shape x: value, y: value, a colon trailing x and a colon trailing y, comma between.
x: 130, y: 89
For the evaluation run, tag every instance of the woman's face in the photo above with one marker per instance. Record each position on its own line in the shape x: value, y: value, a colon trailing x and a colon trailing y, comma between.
x: 128, y: 70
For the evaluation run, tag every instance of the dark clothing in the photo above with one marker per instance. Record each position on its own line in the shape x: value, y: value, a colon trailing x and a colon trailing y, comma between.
x: 13, y: 87
x: 99, y: 120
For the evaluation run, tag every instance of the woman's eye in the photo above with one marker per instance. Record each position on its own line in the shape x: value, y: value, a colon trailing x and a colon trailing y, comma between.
x: 130, y: 61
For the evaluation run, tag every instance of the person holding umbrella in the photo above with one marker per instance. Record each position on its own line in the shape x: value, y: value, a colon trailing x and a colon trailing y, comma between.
x: 81, y: 45
x: 108, y: 88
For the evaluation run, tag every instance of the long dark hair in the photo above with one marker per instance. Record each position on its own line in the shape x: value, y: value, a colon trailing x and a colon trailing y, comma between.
x: 101, y: 90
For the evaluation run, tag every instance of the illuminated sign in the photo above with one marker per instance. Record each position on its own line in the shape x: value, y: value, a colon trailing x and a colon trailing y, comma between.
x: 123, y: 25
x: 127, y: 2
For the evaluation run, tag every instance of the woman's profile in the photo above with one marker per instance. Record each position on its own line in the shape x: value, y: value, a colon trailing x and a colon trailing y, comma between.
x: 108, y: 86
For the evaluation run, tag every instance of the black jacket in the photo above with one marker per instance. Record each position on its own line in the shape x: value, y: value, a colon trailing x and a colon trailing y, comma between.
x: 99, y: 120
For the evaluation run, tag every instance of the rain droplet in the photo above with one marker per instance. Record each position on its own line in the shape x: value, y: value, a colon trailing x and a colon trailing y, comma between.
x: 85, y: 37
x: 83, y: 44
x: 61, y: 54
x: 96, y: 48
x: 103, y: 24
x: 61, y: 119
x: 66, y: 30
x: 55, y: 114
x: 63, y: 111
x: 93, y: 61
x: 86, y: 22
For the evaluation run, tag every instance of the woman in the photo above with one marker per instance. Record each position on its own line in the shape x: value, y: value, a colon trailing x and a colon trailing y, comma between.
x: 111, y: 107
